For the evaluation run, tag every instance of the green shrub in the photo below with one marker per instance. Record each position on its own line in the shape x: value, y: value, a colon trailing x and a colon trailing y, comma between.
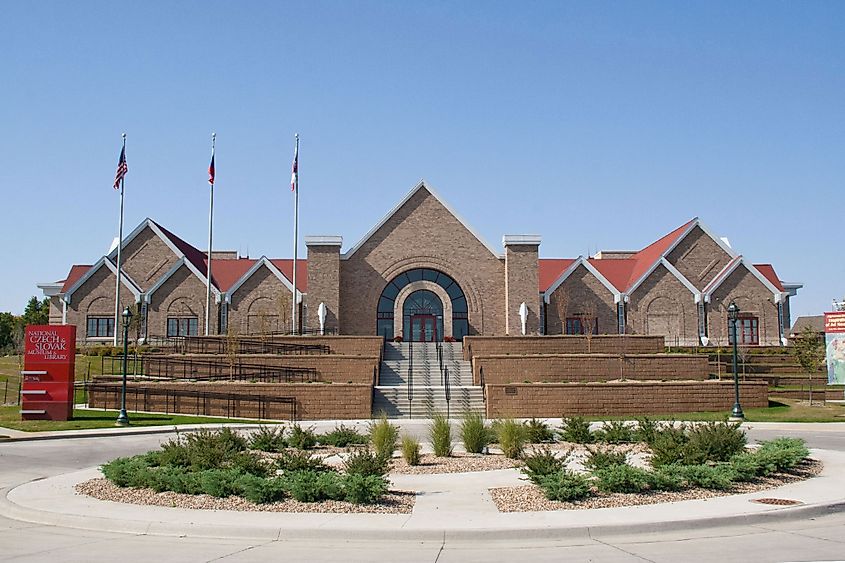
x: 747, y: 466
x: 268, y: 439
x: 576, y: 429
x: 301, y: 438
x: 713, y: 441
x: 565, y: 486
x: 598, y: 459
x: 669, y: 445
x: 312, y: 486
x: 511, y: 435
x: 363, y: 461
x: 474, y: 433
x: 411, y: 450
x: 364, y: 489
x: 126, y: 471
x: 220, y: 483
x: 174, y: 452
x: 250, y: 462
x: 615, y: 432
x: 342, y: 437
x: 542, y: 463
x: 782, y: 453
x: 538, y: 432
x: 719, y: 477
x: 384, y: 437
x: 440, y: 434
x: 646, y: 430
x: 261, y: 490
x: 666, y: 481
x: 300, y: 460
x: 622, y: 478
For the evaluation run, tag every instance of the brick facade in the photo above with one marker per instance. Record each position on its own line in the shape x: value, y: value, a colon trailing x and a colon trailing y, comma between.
x: 752, y: 297
x: 582, y: 296
x: 662, y: 305
x: 181, y: 296
x: 261, y: 304
x: 323, y: 284
x: 699, y: 258
x: 521, y: 287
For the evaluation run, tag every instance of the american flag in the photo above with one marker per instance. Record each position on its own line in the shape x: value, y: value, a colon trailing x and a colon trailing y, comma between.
x: 121, y: 168
x: 211, y: 170
x: 295, y: 168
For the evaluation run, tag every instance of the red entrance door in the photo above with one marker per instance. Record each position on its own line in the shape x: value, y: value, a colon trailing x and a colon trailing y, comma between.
x: 423, y: 328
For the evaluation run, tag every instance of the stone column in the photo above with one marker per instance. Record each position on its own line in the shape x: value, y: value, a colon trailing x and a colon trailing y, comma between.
x: 521, y: 282
x: 323, y: 280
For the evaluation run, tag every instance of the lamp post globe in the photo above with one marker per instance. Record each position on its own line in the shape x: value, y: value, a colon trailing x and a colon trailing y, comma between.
x: 123, y: 418
x: 733, y: 315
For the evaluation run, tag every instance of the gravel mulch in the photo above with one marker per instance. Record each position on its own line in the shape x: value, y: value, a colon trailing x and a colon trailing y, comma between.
x: 459, y: 462
x: 529, y: 498
x: 394, y: 502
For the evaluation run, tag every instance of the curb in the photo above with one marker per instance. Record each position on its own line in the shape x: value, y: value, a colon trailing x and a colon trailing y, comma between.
x: 14, y: 511
x: 108, y: 433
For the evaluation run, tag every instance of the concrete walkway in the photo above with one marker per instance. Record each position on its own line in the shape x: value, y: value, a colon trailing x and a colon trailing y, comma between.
x: 449, y: 506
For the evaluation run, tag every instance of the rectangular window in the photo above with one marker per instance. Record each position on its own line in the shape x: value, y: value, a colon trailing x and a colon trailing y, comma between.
x: 185, y: 326
x: 100, y: 327
x: 747, y: 331
x: 577, y: 325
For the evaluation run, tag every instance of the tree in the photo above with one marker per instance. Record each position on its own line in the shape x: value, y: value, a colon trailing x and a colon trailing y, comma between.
x: 561, y: 301
x: 809, y: 350
x: 8, y: 324
x: 589, y: 317
x: 36, y: 312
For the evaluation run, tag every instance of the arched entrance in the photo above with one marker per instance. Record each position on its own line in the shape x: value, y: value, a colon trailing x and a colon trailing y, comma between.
x: 422, y: 316
x: 434, y: 300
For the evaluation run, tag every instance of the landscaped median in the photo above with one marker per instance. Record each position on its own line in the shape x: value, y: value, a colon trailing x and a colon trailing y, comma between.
x: 572, y: 467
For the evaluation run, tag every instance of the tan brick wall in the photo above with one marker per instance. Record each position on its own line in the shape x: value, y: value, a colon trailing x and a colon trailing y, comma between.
x: 600, y: 344
x: 588, y: 368
x: 314, y: 401
x: 324, y: 286
x: 521, y: 285
x: 579, y: 399
x: 330, y: 367
x: 56, y: 311
x: 261, y: 304
x: 580, y: 293
x: 95, y: 298
x: 699, y: 258
x: 147, y: 258
x: 662, y: 305
x: 751, y: 297
x: 344, y: 345
x: 182, y: 295
x: 422, y: 234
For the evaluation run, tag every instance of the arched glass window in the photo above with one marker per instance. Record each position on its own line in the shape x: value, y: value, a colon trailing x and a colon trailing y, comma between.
x: 421, y: 301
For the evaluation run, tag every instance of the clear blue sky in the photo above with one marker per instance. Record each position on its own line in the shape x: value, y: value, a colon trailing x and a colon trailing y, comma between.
x: 597, y: 125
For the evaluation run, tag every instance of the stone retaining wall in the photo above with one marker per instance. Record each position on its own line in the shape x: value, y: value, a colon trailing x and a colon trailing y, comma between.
x: 314, y: 401
x: 634, y: 398
x: 567, y: 368
x: 598, y: 344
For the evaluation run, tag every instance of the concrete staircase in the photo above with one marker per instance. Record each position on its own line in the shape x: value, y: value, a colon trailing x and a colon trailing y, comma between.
x: 427, y: 392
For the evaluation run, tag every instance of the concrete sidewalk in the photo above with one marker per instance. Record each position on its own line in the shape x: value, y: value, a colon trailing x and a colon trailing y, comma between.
x: 449, y: 506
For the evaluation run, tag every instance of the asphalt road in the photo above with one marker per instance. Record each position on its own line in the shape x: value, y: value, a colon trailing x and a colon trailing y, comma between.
x: 819, y: 539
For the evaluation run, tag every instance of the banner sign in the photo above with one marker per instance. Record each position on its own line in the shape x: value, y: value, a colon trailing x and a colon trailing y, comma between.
x: 834, y: 329
x: 47, y: 387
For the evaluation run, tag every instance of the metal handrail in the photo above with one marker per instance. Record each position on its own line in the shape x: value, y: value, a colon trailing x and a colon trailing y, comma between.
x: 448, y: 391
x: 180, y: 368
x: 481, y: 380
x: 410, y: 376
x: 440, y: 360
x: 178, y: 399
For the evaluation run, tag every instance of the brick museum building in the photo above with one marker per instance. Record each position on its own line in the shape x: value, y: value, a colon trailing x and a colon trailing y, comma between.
x: 422, y: 273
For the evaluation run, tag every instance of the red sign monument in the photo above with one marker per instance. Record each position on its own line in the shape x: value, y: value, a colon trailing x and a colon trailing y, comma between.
x: 47, y: 388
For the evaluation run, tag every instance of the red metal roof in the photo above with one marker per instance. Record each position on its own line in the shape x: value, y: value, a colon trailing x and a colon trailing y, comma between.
x: 616, y: 270
x: 285, y: 265
x: 76, y: 272
x: 550, y: 269
x: 193, y: 254
x: 645, y: 258
x: 768, y: 272
x: 225, y: 272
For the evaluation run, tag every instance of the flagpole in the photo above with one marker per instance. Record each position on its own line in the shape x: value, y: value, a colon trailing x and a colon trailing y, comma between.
x: 119, y: 245
x: 210, y: 222
x: 294, y: 325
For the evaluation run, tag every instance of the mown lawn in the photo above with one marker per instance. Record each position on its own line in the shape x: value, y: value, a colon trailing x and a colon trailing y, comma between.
x: 782, y: 410
x: 83, y: 418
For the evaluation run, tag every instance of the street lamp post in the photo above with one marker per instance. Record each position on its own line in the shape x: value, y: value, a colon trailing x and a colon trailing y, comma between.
x: 733, y: 314
x: 123, y: 418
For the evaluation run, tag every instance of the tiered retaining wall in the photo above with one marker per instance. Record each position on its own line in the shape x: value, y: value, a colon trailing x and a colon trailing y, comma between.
x: 599, y: 344
x: 314, y: 401
x: 634, y: 398
x: 565, y: 368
